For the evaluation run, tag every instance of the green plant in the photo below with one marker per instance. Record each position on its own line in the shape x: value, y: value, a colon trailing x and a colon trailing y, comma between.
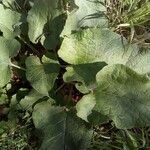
x: 64, y: 67
x: 14, y: 137
x: 129, y: 18
x: 132, y: 12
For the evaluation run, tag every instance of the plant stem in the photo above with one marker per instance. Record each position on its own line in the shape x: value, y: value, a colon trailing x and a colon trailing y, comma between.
x: 60, y: 88
x: 15, y: 66
x: 27, y: 43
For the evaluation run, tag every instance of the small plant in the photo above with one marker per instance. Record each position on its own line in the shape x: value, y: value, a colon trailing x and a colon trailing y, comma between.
x: 69, y: 80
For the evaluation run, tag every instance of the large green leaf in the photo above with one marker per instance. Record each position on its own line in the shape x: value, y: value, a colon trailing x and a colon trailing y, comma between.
x: 9, y: 21
x: 85, y: 13
x: 42, y: 75
x: 61, y: 129
x: 46, y: 22
x: 124, y: 96
x: 84, y: 74
x: 102, y: 45
x: 95, y: 45
x: 8, y: 49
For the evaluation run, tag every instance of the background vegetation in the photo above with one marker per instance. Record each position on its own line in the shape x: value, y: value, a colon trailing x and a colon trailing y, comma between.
x: 44, y: 85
